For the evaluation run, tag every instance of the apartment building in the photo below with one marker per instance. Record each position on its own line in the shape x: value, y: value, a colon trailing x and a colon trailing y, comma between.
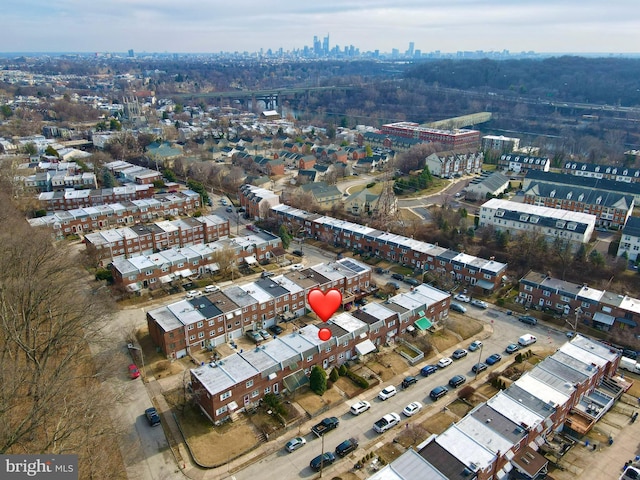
x: 256, y: 200
x: 608, y: 172
x: 500, y: 143
x: 501, y: 438
x: 524, y: 163
x: 503, y: 215
x: 579, y: 302
x: 612, y: 209
x: 630, y: 240
x: 473, y: 271
x: 453, y: 139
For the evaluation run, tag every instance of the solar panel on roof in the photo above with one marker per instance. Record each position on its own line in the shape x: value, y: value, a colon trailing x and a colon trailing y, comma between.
x: 353, y: 266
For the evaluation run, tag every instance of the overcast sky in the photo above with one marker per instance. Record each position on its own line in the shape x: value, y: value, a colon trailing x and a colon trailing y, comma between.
x: 249, y: 25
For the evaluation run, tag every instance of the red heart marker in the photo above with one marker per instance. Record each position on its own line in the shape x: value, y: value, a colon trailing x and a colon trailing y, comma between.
x: 324, y: 304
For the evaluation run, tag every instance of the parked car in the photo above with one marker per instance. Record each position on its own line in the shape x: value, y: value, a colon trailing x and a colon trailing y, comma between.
x: 211, y: 289
x: 411, y: 409
x: 479, y: 367
x: 456, y: 307
x: 324, y: 460
x: 298, y: 253
x: 408, y: 381
x: 346, y: 447
x: 193, y: 293
x: 475, y: 345
x: 360, y: 407
x: 461, y: 297
x: 528, y: 319
x: 229, y: 209
x: 275, y: 329
x: 387, y: 392
x: 133, y: 371
x: 412, y: 281
x: 381, y: 270
x: 297, y: 267
x: 255, y: 336
x: 438, y: 393
x: 397, y: 276
x: 428, y: 370
x: 512, y: 348
x: 479, y: 303
x: 444, y: 362
x: 152, y: 416
x: 264, y: 334
x: 493, y: 359
x: 393, y: 285
x: 459, y: 353
x: 457, y: 380
x: 266, y: 274
x: 294, y: 444
x: 385, y: 423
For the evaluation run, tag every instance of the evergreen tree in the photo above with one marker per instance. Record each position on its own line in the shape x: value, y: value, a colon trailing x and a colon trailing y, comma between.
x: 318, y: 380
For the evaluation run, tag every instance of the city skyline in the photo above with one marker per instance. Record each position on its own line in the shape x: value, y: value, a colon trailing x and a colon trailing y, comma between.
x: 190, y: 26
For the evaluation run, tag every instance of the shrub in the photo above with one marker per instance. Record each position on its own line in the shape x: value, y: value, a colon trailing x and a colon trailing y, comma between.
x: 274, y: 403
x: 500, y: 302
x: 371, y: 185
x: 357, y: 379
x: 318, y: 380
x: 342, y: 370
x: 334, y: 375
x: 519, y: 358
x: 466, y: 392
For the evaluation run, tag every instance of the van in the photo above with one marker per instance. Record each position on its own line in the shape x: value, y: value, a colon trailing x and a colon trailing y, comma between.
x: 527, y: 339
x: 629, y: 364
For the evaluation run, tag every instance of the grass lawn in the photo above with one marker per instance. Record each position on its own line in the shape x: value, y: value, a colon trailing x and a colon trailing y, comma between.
x: 389, y: 452
x: 313, y: 403
x: 347, y: 386
x: 376, y: 189
x: 438, y: 423
x: 443, y: 339
x: 459, y: 408
x: 464, y: 326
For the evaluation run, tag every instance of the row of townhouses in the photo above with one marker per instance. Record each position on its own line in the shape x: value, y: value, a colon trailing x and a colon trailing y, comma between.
x: 107, y: 245
x: 593, y: 170
x: 69, y: 199
x: 155, y: 270
x: 476, y: 272
x: 127, y: 172
x: 597, y: 308
x: 507, y: 436
x: 524, y: 163
x: 630, y: 240
x: 257, y: 201
x: 576, y: 228
x: 89, y: 219
x: 449, y: 164
x: 283, y: 363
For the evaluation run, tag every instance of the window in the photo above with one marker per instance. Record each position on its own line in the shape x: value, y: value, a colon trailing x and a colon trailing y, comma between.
x: 255, y: 393
x: 332, y: 358
x: 211, y: 322
x: 221, y: 410
x: 546, y: 293
x: 267, y: 390
x: 192, y: 337
x: 199, y: 324
x: 225, y: 395
x: 191, y: 327
x: 250, y: 384
x: 200, y: 334
x: 391, y: 324
x: 328, y: 349
x: 220, y: 329
x: 310, y: 358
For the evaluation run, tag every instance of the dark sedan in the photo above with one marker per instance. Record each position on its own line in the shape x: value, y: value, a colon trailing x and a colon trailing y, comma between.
x: 493, y: 359
x: 321, y: 461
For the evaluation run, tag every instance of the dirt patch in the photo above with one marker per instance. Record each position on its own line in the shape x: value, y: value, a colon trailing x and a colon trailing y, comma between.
x: 443, y: 339
x: 315, y: 404
x: 387, y: 365
x: 389, y: 452
x: 487, y: 391
x: 155, y: 364
x: 349, y: 388
x: 459, y: 408
x: 464, y: 326
x: 438, y: 423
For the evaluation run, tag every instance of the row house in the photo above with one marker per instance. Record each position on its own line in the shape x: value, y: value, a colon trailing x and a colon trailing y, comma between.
x: 204, y: 261
x: 570, y: 390
x: 630, y: 240
x: 62, y: 181
x: 588, y: 183
x: 88, y: 219
x: 524, y: 163
x: 393, y: 142
x: 473, y: 271
x: 262, y: 303
x: 68, y: 199
x: 609, y: 172
x: 452, y: 139
x: 258, y: 247
x: 580, y: 303
x: 450, y: 164
x: 576, y: 228
x: 105, y: 246
x: 257, y: 200
x: 128, y: 172
x: 612, y: 209
x: 157, y: 269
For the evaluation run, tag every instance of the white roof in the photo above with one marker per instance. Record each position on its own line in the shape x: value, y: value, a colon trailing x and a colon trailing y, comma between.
x: 185, y: 312
x: 541, y: 390
x: 348, y: 322
x: 483, y: 434
x: 378, y: 310
x: 514, y: 410
x: 256, y: 292
x: 596, y: 348
x: 583, y: 354
x: 464, y: 448
x: 288, y: 284
x: 555, y: 213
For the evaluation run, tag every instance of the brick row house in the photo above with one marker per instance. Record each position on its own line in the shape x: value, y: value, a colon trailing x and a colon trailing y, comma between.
x: 69, y: 199
x: 579, y: 302
x: 266, y: 302
x: 231, y: 384
x: 612, y: 209
x: 128, y: 172
x: 501, y: 438
x: 453, y: 139
x: 153, y: 269
x: 256, y: 200
x: 89, y: 219
x: 107, y: 245
x: 473, y: 271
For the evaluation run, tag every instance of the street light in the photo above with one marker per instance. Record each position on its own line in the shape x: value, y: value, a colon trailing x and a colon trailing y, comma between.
x: 479, y: 360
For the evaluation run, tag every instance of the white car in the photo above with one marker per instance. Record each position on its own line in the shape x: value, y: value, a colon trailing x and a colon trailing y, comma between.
x: 411, y: 409
x: 385, y: 423
x: 479, y: 303
x: 211, y: 288
x: 358, y: 408
x: 461, y: 297
x: 387, y: 392
x: 444, y: 362
x: 294, y: 444
x: 193, y: 293
x: 297, y: 266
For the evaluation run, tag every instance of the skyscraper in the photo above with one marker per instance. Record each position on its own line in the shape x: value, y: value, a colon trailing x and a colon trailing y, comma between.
x: 325, y: 45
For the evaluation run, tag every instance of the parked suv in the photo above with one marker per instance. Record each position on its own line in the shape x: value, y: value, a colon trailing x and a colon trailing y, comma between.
x: 408, y: 381
x: 152, y: 416
x: 528, y: 319
x: 397, y: 276
x: 438, y: 392
x: 346, y: 447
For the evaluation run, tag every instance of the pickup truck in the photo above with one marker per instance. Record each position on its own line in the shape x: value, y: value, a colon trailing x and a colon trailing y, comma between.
x: 386, y: 422
x: 325, y: 425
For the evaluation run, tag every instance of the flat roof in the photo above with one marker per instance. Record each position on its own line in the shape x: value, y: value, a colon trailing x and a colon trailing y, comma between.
x: 556, y: 366
x: 484, y: 434
x: 582, y: 354
x: 220, y: 376
x: 410, y: 465
x: 165, y: 319
x: 542, y: 390
x: 514, y: 410
x: 185, y: 312
x: 464, y: 448
x: 239, y: 296
x: 348, y: 322
x: 260, y: 295
x: 594, y: 347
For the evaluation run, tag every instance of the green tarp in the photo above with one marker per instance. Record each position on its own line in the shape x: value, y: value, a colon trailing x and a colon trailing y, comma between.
x: 422, y: 323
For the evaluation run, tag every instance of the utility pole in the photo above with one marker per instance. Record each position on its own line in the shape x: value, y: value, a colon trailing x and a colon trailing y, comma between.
x: 479, y: 360
x: 322, y: 457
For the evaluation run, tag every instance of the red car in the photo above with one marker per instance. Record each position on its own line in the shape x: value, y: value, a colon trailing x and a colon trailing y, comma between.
x: 133, y: 371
